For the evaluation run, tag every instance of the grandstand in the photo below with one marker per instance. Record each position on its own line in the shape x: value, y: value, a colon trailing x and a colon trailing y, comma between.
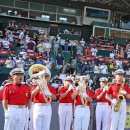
x: 89, y: 34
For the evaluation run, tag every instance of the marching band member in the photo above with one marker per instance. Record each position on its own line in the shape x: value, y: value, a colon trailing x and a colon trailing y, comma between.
x: 103, y: 108
x: 42, y: 95
x: 83, y: 97
x: 117, y: 94
x: 16, y: 97
x: 65, y: 104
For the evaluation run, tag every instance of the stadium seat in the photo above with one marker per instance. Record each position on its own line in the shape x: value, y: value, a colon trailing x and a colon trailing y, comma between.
x: 4, y: 53
x: 32, y: 55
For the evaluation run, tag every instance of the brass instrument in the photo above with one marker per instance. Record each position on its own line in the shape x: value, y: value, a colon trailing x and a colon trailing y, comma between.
x: 120, y: 97
x: 82, y: 89
x: 40, y: 81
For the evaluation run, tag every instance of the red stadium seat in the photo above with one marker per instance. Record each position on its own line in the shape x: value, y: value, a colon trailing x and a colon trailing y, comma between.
x: 4, y: 53
x: 32, y: 54
x: 108, y: 60
x: 90, y: 58
x: 101, y: 59
x: 2, y: 61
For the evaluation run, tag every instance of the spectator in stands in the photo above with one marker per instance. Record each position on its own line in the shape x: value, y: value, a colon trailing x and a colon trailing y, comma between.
x: 96, y: 60
x: 56, y: 47
x: 21, y: 34
x: 96, y: 69
x: 84, y: 67
x: 5, y: 43
x: 40, y: 46
x: 87, y: 52
x: 66, y: 68
x: 23, y: 53
x: 28, y: 62
x: 112, y: 67
x: 112, y: 55
x: 57, y: 80
x: 20, y: 62
x: 118, y: 64
x: 66, y: 45
x: 58, y: 39
x: 59, y: 61
x: 82, y: 42
x: 128, y: 54
x: 94, y: 51
x: 79, y: 50
x: 10, y: 37
x: 9, y: 63
x: 40, y: 60
x: 122, y: 54
x: 31, y: 46
x: 103, y: 69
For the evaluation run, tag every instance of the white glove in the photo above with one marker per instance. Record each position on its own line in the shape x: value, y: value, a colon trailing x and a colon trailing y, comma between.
x: 84, y: 95
x: 114, y: 101
x: 123, y: 92
x: 105, y: 88
x: 47, y: 92
x: 6, y: 114
x: 70, y: 87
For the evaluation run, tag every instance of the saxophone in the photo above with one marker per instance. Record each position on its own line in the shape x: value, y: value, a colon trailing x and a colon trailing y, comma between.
x: 120, y: 97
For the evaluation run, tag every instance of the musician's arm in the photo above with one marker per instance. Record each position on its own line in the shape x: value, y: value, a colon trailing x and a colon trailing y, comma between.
x: 89, y: 99
x: 75, y: 94
x: 108, y: 97
x: 64, y: 94
x: 128, y: 96
x: 35, y: 91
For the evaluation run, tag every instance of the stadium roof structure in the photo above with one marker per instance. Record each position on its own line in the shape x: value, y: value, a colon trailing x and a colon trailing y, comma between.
x: 117, y: 5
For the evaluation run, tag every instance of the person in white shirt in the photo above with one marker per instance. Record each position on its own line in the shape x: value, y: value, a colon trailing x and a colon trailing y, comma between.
x: 21, y: 35
x: 10, y: 63
x: 82, y: 42
x: 5, y: 43
x: 96, y: 69
x: 23, y: 53
x: 118, y: 64
x: 94, y: 51
x: 103, y: 68
x: 112, y: 55
x: 10, y: 37
x: 20, y: 63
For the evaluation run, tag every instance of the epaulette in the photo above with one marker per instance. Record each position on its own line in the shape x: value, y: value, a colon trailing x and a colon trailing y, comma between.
x: 7, y: 84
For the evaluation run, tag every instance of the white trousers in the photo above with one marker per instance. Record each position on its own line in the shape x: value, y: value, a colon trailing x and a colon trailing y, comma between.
x: 65, y: 116
x: 118, y: 118
x: 42, y: 116
x: 103, y: 112
x: 29, y: 123
x: 16, y: 119
x: 82, y: 118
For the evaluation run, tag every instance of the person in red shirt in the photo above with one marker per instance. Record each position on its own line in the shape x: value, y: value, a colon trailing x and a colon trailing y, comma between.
x: 83, y: 97
x: 114, y: 90
x: 16, y: 98
x: 42, y: 95
x: 65, y: 104
x: 103, y: 108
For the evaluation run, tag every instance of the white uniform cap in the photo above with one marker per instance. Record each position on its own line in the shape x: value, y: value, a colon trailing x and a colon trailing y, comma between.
x: 41, y: 73
x: 35, y: 75
x: 119, y: 72
x: 16, y: 71
x: 68, y: 78
x: 103, y: 79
